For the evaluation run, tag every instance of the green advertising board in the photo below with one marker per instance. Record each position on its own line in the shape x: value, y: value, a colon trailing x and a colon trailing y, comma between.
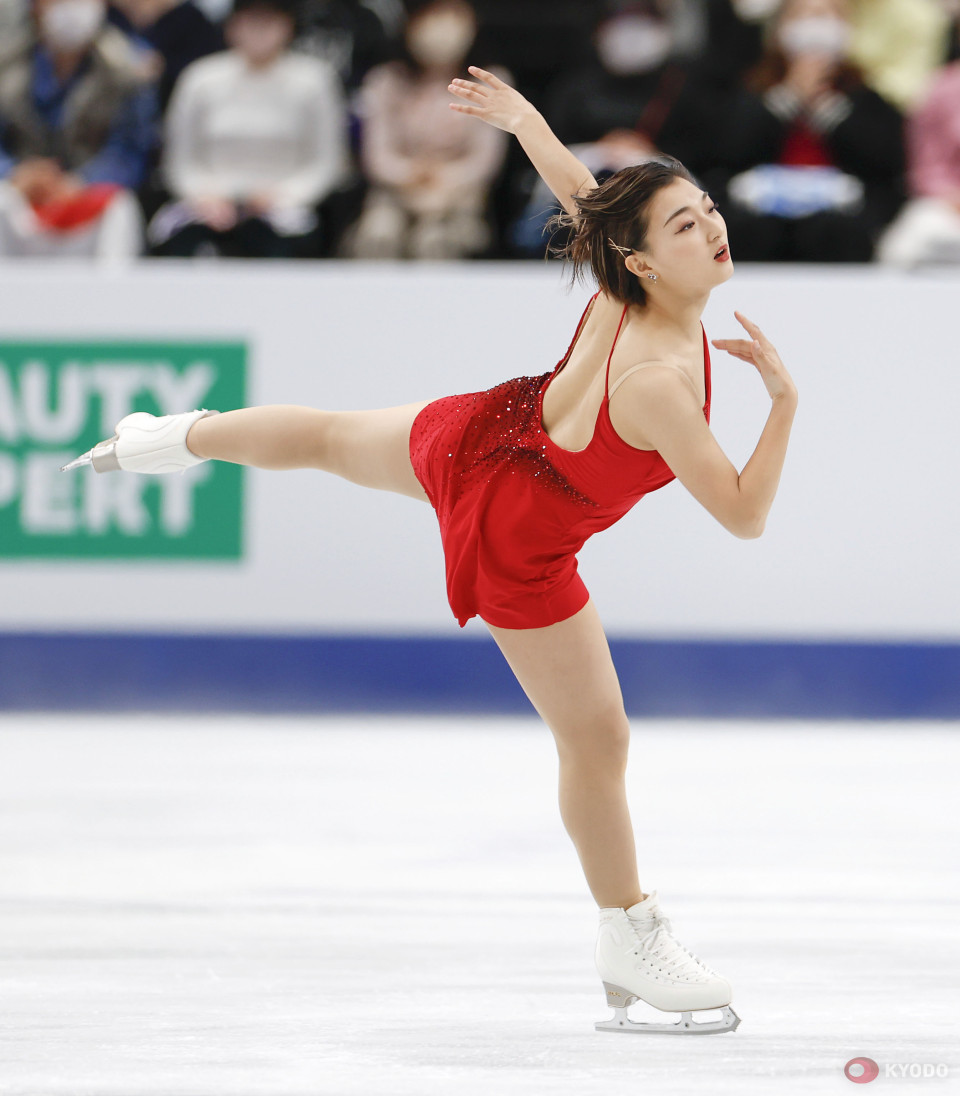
x: 58, y: 399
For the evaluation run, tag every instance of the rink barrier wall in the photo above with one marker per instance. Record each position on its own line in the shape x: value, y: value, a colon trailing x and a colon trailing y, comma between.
x: 860, y: 542
x: 245, y: 590
x: 376, y: 673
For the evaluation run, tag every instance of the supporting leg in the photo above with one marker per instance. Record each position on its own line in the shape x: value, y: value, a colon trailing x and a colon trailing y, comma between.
x: 568, y: 674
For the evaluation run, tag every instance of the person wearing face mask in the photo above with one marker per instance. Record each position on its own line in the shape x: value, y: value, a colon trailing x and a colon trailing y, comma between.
x: 811, y: 158
x: 255, y: 140
x: 637, y: 85
x: 429, y: 178
x: 76, y: 130
x: 636, y: 100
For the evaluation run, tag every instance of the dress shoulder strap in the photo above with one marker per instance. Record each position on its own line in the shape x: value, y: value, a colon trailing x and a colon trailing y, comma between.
x: 623, y: 316
x: 576, y: 335
x: 644, y: 365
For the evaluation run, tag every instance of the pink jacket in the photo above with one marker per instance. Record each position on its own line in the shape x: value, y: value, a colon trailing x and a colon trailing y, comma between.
x: 933, y: 139
x: 409, y: 122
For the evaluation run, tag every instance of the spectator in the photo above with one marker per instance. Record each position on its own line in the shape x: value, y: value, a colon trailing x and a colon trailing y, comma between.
x: 255, y: 139
x: 176, y: 31
x: 636, y: 85
x: 898, y: 45
x: 711, y: 42
x: 816, y: 156
x: 928, y: 228
x: 76, y: 129
x: 430, y: 169
x: 635, y: 100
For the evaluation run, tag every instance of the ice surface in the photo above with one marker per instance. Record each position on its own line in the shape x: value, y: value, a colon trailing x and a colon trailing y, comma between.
x: 335, y: 906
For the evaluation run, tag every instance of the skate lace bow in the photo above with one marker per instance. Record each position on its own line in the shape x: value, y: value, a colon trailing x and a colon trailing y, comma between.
x: 674, y: 957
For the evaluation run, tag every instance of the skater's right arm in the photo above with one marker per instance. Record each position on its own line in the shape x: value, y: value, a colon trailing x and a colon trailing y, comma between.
x: 276, y: 437
x: 500, y: 105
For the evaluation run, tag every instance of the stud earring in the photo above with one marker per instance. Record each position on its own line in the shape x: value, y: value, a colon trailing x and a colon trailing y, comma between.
x: 652, y: 277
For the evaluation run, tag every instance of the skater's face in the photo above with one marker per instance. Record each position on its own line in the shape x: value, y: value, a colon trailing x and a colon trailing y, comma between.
x: 685, y: 231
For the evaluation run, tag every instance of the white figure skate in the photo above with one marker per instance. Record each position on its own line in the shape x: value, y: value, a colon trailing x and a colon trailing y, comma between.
x: 639, y: 960
x: 153, y: 444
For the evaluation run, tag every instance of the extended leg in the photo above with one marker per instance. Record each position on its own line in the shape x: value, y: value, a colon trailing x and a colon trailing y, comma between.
x: 568, y: 674
x: 370, y: 448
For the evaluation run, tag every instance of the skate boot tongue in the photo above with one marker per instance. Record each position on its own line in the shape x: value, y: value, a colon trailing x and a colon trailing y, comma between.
x: 648, y: 921
x: 647, y: 913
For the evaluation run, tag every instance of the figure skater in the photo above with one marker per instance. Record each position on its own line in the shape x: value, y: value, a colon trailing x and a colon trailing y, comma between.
x: 521, y: 475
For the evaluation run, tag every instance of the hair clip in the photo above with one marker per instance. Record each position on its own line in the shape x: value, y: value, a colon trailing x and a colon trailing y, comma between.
x: 623, y: 250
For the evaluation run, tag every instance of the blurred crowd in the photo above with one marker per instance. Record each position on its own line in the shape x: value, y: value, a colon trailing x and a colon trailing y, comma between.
x: 828, y: 130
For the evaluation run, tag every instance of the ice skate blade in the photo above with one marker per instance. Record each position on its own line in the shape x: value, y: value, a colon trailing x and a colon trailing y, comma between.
x: 686, y: 1025
x: 102, y: 457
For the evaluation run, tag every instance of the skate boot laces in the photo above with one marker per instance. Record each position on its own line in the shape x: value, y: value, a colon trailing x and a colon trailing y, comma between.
x: 673, y: 958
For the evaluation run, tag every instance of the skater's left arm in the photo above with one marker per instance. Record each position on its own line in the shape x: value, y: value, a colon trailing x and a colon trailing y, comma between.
x: 276, y: 437
x: 496, y: 103
x: 662, y: 412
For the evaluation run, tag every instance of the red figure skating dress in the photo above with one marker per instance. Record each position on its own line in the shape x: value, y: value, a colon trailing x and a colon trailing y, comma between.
x: 515, y: 508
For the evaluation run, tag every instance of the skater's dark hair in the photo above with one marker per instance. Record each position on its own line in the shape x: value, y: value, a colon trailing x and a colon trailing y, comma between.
x: 610, y: 222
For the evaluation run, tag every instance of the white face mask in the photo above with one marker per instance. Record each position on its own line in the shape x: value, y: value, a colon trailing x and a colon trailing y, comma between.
x: 752, y: 11
x: 824, y: 34
x: 633, y: 44
x: 72, y: 24
x: 441, y: 40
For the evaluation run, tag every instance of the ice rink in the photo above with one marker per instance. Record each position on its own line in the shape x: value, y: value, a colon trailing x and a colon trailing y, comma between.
x: 291, y: 906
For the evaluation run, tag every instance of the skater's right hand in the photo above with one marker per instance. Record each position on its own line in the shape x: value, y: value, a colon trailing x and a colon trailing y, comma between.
x: 491, y: 100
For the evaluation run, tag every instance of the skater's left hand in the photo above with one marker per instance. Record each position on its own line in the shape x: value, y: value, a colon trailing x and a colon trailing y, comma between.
x: 491, y: 100
x: 760, y: 352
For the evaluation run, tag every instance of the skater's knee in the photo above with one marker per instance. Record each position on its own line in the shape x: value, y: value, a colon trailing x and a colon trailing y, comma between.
x: 329, y: 441
x: 601, y: 746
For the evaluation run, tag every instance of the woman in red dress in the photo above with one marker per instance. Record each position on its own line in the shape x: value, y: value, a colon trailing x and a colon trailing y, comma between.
x: 522, y: 474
